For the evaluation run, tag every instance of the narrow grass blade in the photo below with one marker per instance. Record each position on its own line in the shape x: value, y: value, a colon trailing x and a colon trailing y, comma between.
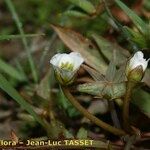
x: 19, y: 26
x: 74, y: 13
x: 7, y: 87
x: 8, y: 37
x: 133, y: 16
x: 21, y: 69
x: 11, y: 71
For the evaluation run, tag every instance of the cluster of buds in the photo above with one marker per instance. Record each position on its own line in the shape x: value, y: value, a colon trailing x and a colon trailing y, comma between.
x: 136, y: 67
x: 66, y: 66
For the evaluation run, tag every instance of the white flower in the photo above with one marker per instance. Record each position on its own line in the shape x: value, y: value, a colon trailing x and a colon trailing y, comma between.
x: 66, y: 66
x: 138, y: 60
x: 136, y: 66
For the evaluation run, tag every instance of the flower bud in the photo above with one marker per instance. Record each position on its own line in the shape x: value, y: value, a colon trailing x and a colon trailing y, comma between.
x: 136, y: 67
x: 66, y: 66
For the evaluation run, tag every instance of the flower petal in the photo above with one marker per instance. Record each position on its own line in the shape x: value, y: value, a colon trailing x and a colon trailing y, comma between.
x: 55, y: 59
x: 66, y: 66
x: 65, y: 59
x: 78, y: 59
x: 137, y: 60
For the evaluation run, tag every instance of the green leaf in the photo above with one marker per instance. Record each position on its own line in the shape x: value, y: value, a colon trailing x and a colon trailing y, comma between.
x: 114, y: 91
x: 11, y: 71
x: 82, y: 134
x: 111, y: 50
x: 139, y: 23
x: 8, y: 37
x: 94, y: 74
x: 7, y: 87
x: 26, y: 117
x: 142, y: 100
x: 103, y: 89
x: 95, y: 88
x: 136, y: 37
x: 62, y: 100
x: 120, y: 74
x: 85, y: 5
x: 146, y: 78
x: 68, y: 134
x: 111, y: 72
x: 74, y: 13
x: 76, y: 42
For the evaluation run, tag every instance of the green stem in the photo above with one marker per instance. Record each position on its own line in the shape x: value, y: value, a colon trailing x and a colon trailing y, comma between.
x: 126, y: 103
x: 92, y: 118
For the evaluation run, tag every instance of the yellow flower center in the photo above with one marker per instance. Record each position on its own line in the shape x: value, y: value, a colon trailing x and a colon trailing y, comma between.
x: 67, y: 66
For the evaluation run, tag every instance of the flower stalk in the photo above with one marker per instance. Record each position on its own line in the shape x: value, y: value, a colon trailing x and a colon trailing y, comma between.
x: 92, y: 118
x: 135, y: 70
x: 126, y: 103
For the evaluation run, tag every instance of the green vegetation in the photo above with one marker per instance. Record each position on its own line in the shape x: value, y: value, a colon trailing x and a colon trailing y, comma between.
x: 106, y: 34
